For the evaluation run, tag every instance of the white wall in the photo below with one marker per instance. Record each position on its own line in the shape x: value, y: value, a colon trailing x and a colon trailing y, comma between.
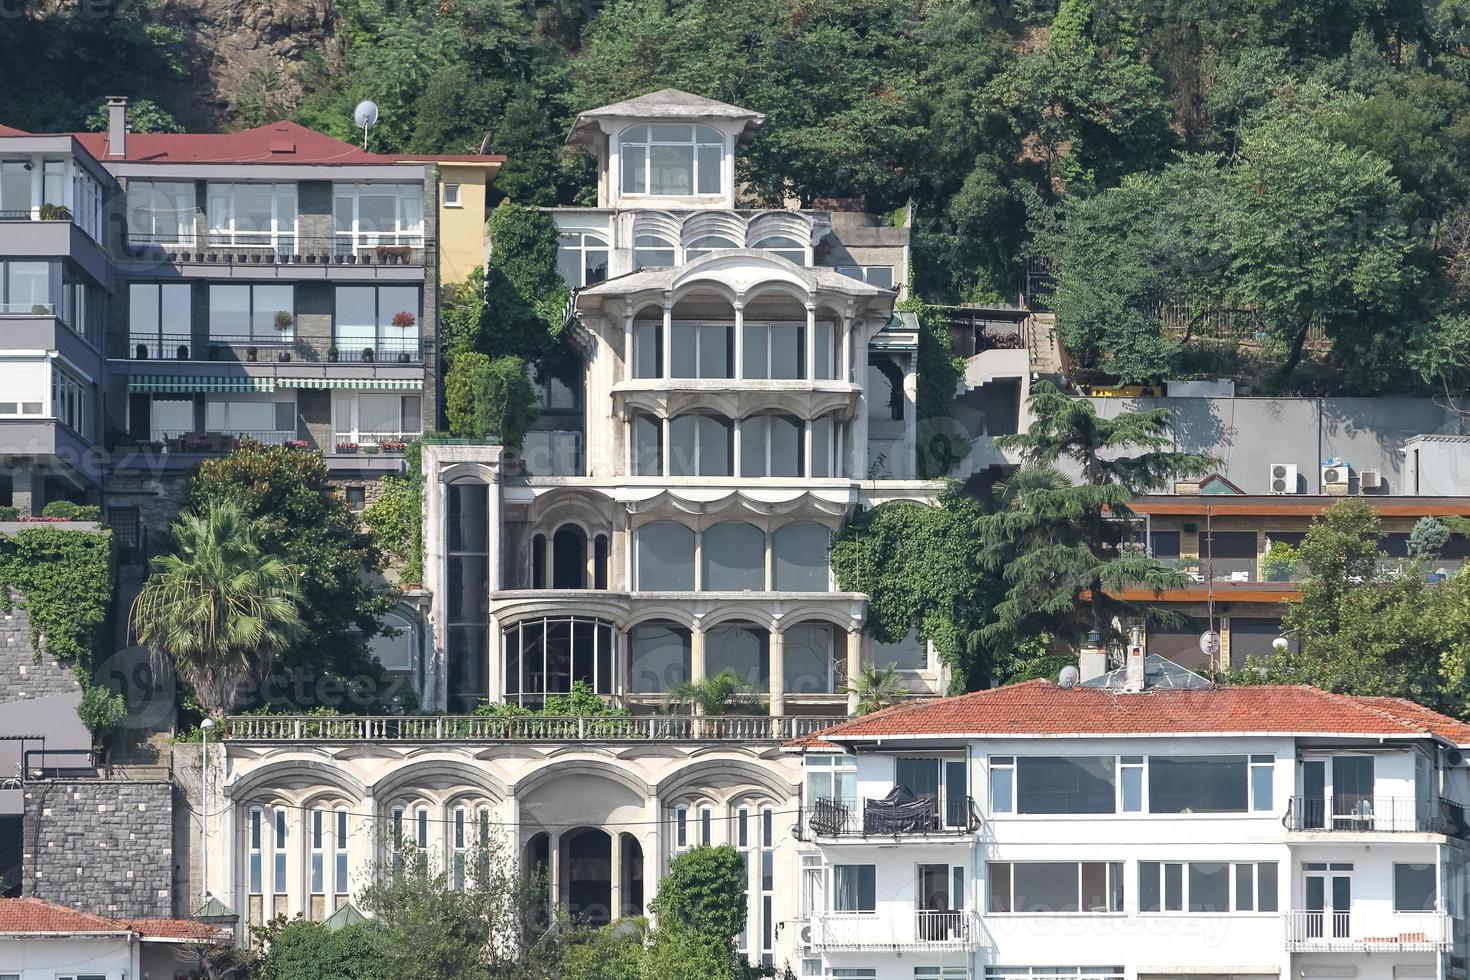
x: 50, y: 959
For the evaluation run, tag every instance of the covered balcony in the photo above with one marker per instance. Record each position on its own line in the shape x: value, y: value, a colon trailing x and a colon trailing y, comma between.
x: 1352, y: 813
x: 899, y: 815
x: 1351, y: 931
x: 917, y: 929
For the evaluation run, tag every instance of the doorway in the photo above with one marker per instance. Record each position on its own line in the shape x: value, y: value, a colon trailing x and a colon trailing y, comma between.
x: 1328, y: 892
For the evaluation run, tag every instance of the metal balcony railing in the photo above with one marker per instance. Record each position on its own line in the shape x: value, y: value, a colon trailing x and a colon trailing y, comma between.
x: 1347, y: 813
x: 480, y: 728
x: 1330, y: 931
x: 262, y: 248
x: 919, y: 929
x: 310, y: 350
x: 877, y: 817
x: 217, y: 441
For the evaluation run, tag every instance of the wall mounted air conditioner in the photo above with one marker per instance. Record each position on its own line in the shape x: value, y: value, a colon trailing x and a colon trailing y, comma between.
x: 1336, y: 477
x: 1282, y: 478
x: 1370, y: 480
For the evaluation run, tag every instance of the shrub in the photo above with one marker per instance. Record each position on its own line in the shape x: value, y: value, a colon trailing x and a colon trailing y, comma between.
x: 66, y: 510
x: 103, y: 711
x: 705, y: 892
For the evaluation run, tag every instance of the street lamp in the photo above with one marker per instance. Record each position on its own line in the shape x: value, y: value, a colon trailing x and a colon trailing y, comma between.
x: 204, y: 727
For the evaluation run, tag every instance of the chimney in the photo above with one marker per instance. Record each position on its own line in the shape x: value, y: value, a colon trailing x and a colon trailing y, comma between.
x: 117, y: 126
x: 1134, y: 680
x: 1092, y: 660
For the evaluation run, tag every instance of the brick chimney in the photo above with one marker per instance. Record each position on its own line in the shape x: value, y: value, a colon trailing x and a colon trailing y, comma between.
x: 117, y: 126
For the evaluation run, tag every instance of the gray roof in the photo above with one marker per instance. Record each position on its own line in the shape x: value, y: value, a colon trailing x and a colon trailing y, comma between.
x: 667, y: 103
x: 1158, y: 672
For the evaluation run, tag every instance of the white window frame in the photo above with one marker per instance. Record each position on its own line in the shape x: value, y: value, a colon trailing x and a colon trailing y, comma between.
x: 408, y: 218
x: 341, y: 837
x: 452, y: 195
x: 458, y: 849
x: 349, y: 429
x: 222, y: 221
x: 254, y: 840
x: 280, y: 859
x: 681, y: 828
x: 164, y: 226
x: 631, y: 147
x: 1232, y: 898
x: 583, y: 244
x: 1116, y: 884
x: 795, y: 251
x: 316, y: 839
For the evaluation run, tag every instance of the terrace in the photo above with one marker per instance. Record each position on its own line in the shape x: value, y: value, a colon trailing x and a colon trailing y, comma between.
x: 530, y: 728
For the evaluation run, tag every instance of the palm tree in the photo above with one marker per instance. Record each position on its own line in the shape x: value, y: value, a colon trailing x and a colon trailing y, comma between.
x: 723, y: 694
x: 876, y: 688
x: 218, y: 606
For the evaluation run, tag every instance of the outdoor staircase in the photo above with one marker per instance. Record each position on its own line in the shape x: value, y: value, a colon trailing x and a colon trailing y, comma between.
x: 1044, y: 347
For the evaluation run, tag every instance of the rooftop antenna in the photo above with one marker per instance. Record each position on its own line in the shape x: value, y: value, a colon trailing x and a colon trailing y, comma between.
x: 365, y: 116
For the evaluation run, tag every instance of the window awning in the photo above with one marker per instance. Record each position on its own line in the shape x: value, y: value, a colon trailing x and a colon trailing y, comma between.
x: 357, y: 384
x: 186, y: 384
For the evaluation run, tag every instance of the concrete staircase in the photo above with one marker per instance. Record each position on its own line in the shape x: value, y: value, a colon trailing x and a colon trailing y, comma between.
x: 1044, y: 347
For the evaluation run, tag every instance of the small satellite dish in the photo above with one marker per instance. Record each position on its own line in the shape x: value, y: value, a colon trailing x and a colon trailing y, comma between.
x: 1209, y: 643
x: 1068, y: 678
x: 365, y: 116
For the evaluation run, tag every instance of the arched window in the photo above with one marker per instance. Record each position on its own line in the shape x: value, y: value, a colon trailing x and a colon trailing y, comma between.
x: 658, y: 657
x: 773, y: 350
x: 339, y: 842
x: 459, y: 849
x: 538, y: 561
x: 395, y: 839
x: 807, y: 659
x: 701, y: 445
x: 653, y: 252
x: 733, y: 556
x: 772, y: 445
x: 800, y: 553
x: 547, y: 656
x: 672, y: 160
x: 599, y: 561
x: 884, y: 391
x: 317, y: 869
x: 705, y: 245
x: 569, y: 558
x: 784, y: 246
x: 742, y: 648
x: 256, y: 846
x: 581, y: 258
x: 278, y: 842
x: 665, y: 557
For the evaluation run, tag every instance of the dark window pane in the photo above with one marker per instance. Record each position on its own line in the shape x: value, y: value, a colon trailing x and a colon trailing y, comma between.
x: 1000, y: 887
x: 1150, y: 899
x: 467, y: 667
x: 1173, y: 887
x: 1045, y: 887
x: 1197, y: 784
x: 467, y: 506
x: 1413, y: 888
x: 1094, y: 886
x: 1266, y: 886
x: 513, y: 660
x: 558, y: 656
x: 1065, y: 785
x: 1209, y: 887
x: 584, y: 653
x: 1245, y: 891
x: 1164, y: 544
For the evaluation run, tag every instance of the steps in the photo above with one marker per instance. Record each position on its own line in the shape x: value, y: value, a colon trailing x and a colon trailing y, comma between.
x: 1044, y: 347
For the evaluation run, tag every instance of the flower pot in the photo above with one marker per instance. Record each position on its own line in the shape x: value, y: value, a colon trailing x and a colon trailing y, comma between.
x: 367, y: 355
x: 142, y: 352
x: 284, y: 356
x: 182, y: 353
x: 332, y: 355
x: 250, y: 353
x: 403, y: 357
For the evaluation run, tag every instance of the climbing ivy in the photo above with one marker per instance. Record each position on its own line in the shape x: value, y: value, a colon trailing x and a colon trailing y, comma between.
x: 525, y: 296
x: 396, y: 520
x: 941, y: 440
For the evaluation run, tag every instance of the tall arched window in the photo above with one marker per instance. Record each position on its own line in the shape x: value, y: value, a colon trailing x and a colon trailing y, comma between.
x: 706, y: 245
x: 648, y: 349
x: 672, y: 160
x: 581, y: 258
x: 784, y: 246
x: 256, y: 832
x: 733, y: 554
x: 665, y: 554
x: 800, y: 553
x: 653, y: 252
x: 339, y: 842
x: 569, y: 558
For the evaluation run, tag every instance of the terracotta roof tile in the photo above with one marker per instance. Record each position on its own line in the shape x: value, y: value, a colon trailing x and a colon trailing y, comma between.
x: 22, y: 915
x: 1041, y: 708
x: 177, y: 929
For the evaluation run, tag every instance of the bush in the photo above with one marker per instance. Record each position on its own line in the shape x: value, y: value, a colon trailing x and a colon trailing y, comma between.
x: 66, y: 510
x: 8, y: 513
x: 704, y: 891
x: 103, y: 711
x: 395, y: 519
x: 310, y: 951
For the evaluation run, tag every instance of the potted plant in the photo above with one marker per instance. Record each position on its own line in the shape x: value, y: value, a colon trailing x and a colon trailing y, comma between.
x: 333, y: 353
x: 55, y: 212
x: 367, y: 355
x: 393, y: 446
x: 283, y: 356
x: 283, y: 320
x: 1279, y: 562
x: 250, y: 353
x: 346, y: 447
x: 182, y: 353
x: 371, y: 450
x: 297, y: 444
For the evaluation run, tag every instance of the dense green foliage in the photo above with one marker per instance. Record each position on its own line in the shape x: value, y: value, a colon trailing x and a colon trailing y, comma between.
x: 704, y: 891
x: 307, y: 522
x: 525, y: 295
x: 301, y: 950
x: 64, y: 581
x: 396, y: 518
x: 1360, y: 630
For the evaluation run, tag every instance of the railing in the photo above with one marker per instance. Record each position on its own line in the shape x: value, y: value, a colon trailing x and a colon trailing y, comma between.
x: 876, y: 817
x: 1380, y: 814
x: 373, y: 439
x: 485, y: 728
x: 182, y: 347
x: 217, y: 441
x: 1331, y: 931
x: 918, y: 929
x: 387, y: 248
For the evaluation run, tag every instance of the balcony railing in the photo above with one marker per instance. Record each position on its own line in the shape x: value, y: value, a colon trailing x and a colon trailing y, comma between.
x: 277, y: 249
x: 221, y: 441
x: 1361, y: 932
x: 1377, y: 814
x: 878, y: 817
x: 182, y: 347
x: 27, y: 309
x: 917, y: 929
x: 476, y: 728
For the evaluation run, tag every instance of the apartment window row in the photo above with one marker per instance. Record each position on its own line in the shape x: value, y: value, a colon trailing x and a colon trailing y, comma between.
x: 769, y: 445
x: 1055, y: 886
x: 774, y: 350
x: 732, y: 556
x: 1207, y: 886
x: 1040, y: 785
x: 51, y: 288
x: 660, y: 656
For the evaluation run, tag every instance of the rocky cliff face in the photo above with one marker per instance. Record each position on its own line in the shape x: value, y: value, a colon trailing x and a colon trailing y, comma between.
x: 242, y: 52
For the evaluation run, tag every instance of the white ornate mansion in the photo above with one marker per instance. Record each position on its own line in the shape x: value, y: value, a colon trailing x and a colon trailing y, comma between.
x: 745, y: 384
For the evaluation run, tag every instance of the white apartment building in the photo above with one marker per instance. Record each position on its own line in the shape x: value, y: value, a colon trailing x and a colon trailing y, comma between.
x: 1091, y: 833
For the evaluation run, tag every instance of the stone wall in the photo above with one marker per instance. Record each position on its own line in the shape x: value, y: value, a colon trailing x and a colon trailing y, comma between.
x: 103, y: 847
x: 22, y: 676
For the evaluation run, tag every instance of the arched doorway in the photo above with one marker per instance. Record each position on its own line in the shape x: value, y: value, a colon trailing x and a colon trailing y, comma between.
x: 631, y: 872
x: 536, y: 866
x: 587, y: 876
x: 569, y: 558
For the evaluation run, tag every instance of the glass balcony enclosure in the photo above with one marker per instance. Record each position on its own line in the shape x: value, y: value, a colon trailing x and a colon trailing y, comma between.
x: 373, y: 215
x: 34, y: 188
x: 51, y: 287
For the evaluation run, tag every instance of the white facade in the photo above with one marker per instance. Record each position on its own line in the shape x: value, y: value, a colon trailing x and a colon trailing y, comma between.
x: 1300, y: 878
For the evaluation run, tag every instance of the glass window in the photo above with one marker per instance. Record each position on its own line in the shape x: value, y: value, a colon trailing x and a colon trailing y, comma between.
x: 701, y: 350
x: 28, y: 287
x: 249, y: 313
x: 1197, y: 784
x: 786, y: 247
x: 1131, y: 772
x: 734, y: 558
x: 1002, y: 784
x: 648, y: 446
x: 648, y: 338
x: 672, y: 160
x: 772, y: 446
x: 160, y: 211
x: 831, y: 777
x: 742, y: 649
x: 1055, y: 886
x: 582, y: 258
x: 1065, y: 784
x: 700, y: 445
x: 1263, y: 771
x: 665, y: 554
x: 773, y: 350
x: 653, y: 252
x: 15, y: 188
x: 1209, y: 887
x: 1414, y: 888
x: 807, y: 659
x: 252, y: 214
x: 658, y: 658
x: 800, y: 557
x: 854, y: 888
x: 549, y: 655
x: 369, y: 215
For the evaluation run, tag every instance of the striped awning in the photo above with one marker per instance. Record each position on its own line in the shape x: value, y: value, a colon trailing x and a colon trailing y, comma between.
x: 356, y: 384
x: 176, y: 384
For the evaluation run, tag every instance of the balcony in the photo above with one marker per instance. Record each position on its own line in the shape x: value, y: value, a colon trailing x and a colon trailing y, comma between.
x: 247, y: 350
x: 922, y: 816
x: 1354, y: 932
x: 265, y: 249
x: 1376, y: 814
x: 479, y: 728
x: 918, y: 929
x: 217, y: 443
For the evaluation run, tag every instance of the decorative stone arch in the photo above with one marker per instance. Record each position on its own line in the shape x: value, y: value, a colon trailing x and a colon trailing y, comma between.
x: 581, y: 766
x: 468, y: 473
x: 701, y: 224
x: 414, y: 777
x: 727, y: 613
x: 278, y: 777
x: 824, y: 613
x: 677, y: 614
x: 737, y: 773
x: 790, y: 224
x: 664, y: 224
x: 793, y: 290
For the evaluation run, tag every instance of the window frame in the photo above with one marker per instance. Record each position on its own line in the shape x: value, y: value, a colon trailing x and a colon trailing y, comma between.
x: 586, y: 245
x: 1114, y: 887
x: 227, y: 234
x: 637, y: 142
x: 1170, y: 903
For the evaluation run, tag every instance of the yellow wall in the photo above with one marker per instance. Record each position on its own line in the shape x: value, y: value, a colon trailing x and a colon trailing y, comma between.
x: 462, y: 229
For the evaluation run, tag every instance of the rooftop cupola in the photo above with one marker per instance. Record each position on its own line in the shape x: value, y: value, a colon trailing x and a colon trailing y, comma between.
x: 667, y: 149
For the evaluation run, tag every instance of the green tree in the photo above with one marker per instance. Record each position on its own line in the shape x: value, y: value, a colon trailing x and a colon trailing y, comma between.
x: 396, y: 518
x: 1062, y: 545
x: 704, y: 892
x: 303, y: 519
x: 300, y: 950
x: 505, y: 401
x: 462, y: 316
x: 723, y: 694
x: 526, y: 297
x: 684, y: 954
x: 877, y: 688
x: 614, y: 952
x: 220, y: 606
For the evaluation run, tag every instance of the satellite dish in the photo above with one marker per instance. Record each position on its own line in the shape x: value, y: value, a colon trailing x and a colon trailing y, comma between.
x: 1209, y: 643
x: 365, y: 116
x: 1068, y: 678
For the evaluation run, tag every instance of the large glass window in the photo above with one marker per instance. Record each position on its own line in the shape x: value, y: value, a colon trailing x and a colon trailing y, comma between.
x: 252, y: 313
x: 702, y: 350
x: 270, y: 419
x: 785, y: 246
x: 1207, y: 887
x: 831, y: 777
x: 672, y: 160
x: 15, y: 189
x: 700, y: 445
x: 370, y: 418
x: 467, y: 533
x: 161, y: 211
x: 733, y: 554
x: 25, y: 289
x: 806, y: 651
x: 377, y: 321
x: 648, y: 446
x: 253, y: 214
x: 773, y: 350
x: 653, y: 252
x: 581, y: 258
x: 703, y: 246
x: 741, y: 648
x: 547, y: 656
x: 1414, y: 888
x: 772, y: 445
x: 1055, y: 886
x: 160, y: 319
x: 800, y: 557
x: 854, y: 888
x: 1065, y: 784
x: 648, y: 342
x: 369, y: 215
x: 69, y: 397
x: 659, y: 657
x: 1198, y: 784
x: 665, y: 555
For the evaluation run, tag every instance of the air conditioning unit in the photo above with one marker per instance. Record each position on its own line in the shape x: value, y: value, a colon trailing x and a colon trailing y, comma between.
x: 1283, y: 478
x: 1370, y: 480
x: 1336, y: 477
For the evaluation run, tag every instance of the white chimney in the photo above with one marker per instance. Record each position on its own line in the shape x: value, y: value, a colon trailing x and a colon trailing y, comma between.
x: 1133, y: 677
x: 117, y: 125
x: 1092, y: 660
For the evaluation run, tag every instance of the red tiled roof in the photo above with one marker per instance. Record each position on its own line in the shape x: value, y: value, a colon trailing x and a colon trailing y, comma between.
x: 31, y: 915
x: 12, y: 131
x: 1040, y: 708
